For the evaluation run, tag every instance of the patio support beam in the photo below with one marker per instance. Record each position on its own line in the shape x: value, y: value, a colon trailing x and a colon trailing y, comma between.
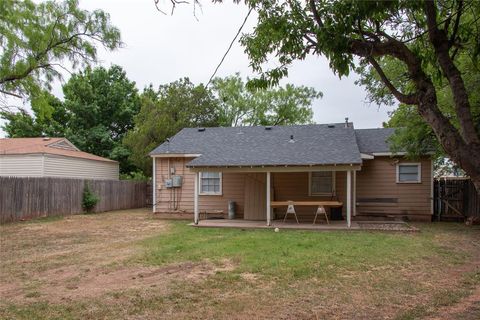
x: 349, y: 198
x: 354, y: 201
x: 269, y: 210
x: 196, y: 214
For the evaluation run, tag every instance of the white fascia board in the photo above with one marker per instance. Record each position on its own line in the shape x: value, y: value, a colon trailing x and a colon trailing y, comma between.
x: 366, y: 156
x: 175, y: 155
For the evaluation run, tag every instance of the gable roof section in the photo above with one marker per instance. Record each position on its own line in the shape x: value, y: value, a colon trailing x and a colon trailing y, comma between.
x: 374, y: 140
x: 256, y: 146
x: 55, y: 146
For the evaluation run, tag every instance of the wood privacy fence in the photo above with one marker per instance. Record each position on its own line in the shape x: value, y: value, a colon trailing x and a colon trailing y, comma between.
x: 26, y: 198
x: 455, y: 199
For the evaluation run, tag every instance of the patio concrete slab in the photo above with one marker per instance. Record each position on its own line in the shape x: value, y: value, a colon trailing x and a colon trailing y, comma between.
x: 334, y: 225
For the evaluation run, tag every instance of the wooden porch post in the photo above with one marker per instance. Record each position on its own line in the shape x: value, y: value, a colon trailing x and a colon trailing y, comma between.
x: 195, y: 200
x: 268, y: 199
x: 354, y: 193
x: 349, y: 198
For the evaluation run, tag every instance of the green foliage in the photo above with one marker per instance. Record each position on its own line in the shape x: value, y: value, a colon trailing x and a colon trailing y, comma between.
x: 415, y: 136
x: 240, y: 105
x: 101, y: 104
x: 134, y: 176
x: 36, y: 38
x: 22, y: 124
x: 89, y: 199
x: 166, y: 111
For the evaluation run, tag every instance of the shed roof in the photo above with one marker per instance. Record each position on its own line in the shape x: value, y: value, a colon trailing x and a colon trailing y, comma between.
x: 319, y: 144
x: 55, y: 146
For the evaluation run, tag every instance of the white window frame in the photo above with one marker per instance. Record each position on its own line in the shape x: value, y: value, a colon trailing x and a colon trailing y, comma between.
x: 332, y: 193
x: 209, y: 193
x: 419, y: 166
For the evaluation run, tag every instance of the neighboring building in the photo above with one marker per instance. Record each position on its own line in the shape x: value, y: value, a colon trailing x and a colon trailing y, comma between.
x: 52, y: 157
x: 298, y: 163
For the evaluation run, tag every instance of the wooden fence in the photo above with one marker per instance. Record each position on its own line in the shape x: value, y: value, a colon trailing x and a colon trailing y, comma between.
x: 26, y: 198
x: 455, y: 199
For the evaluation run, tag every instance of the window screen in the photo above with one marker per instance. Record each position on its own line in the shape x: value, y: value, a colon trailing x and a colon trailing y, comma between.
x: 321, y: 182
x: 408, y: 173
x: 210, y: 182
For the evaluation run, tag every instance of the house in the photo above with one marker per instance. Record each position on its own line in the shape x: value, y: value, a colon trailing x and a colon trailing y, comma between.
x: 259, y: 168
x: 52, y: 157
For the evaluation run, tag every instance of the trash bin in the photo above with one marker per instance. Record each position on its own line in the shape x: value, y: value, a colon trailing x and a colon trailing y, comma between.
x: 231, y: 210
x: 336, y: 213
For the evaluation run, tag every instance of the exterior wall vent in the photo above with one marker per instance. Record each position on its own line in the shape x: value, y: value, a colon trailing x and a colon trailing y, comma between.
x: 201, y: 129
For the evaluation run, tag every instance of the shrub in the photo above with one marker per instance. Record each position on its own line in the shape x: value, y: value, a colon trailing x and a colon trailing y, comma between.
x: 90, y: 199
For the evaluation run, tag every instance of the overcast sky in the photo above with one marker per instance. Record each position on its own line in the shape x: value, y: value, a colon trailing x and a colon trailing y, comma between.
x: 162, y: 48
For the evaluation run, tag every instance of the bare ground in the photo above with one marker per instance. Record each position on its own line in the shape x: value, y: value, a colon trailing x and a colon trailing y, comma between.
x: 88, y: 257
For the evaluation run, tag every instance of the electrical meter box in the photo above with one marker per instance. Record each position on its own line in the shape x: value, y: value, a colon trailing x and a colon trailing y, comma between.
x: 177, y: 181
x: 168, y: 183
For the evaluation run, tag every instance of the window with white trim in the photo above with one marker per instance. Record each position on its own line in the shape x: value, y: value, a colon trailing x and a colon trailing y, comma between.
x: 322, y: 183
x: 409, y: 173
x: 210, y: 183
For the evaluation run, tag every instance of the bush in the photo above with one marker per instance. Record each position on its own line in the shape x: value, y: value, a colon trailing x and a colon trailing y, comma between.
x: 90, y: 199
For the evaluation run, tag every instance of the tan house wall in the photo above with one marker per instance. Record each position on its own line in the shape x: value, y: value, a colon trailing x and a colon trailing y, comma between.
x: 377, y: 179
x: 233, y: 185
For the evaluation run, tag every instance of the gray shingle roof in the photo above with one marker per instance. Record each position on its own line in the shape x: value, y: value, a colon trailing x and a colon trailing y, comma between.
x: 318, y: 144
x: 374, y: 140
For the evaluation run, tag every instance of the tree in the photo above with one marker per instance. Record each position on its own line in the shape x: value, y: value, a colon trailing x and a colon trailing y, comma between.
x: 101, y: 104
x: 413, y: 134
x: 424, y: 38
x: 21, y: 124
x: 36, y: 39
x: 166, y: 111
x: 270, y: 106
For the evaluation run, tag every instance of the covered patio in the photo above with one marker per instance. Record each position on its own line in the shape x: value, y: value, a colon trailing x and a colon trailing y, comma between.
x: 262, y: 197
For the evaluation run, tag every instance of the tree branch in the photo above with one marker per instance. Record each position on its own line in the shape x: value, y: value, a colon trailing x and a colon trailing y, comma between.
x: 440, y: 43
x: 403, y: 98
x: 316, y: 15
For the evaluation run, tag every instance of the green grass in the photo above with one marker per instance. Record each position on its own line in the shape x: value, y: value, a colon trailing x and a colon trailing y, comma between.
x: 291, y: 254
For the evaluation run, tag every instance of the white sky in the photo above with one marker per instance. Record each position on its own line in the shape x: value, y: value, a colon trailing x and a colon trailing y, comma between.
x: 161, y: 48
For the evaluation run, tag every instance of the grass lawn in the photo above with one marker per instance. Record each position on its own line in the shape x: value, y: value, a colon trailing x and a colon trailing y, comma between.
x: 129, y: 265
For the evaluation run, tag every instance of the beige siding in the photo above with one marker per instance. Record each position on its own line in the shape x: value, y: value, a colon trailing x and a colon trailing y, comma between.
x: 21, y: 165
x: 61, y: 166
x: 377, y: 179
x: 181, y: 199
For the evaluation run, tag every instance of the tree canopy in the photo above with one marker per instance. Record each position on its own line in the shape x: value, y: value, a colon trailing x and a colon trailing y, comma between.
x: 166, y: 111
x: 37, y: 39
x: 424, y: 39
x: 240, y: 105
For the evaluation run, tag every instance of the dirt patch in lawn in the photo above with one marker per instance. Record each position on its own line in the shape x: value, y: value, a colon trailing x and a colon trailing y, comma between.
x: 79, y: 253
x: 66, y: 284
